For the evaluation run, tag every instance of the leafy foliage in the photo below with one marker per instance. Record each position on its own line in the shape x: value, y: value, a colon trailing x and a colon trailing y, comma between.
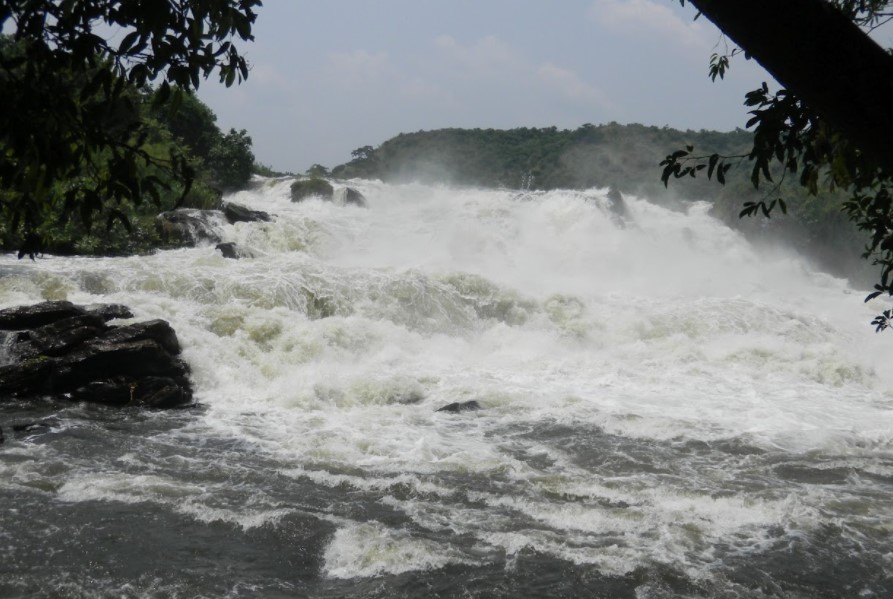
x: 74, y: 140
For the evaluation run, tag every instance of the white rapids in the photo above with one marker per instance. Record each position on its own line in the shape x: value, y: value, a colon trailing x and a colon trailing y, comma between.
x: 587, y: 341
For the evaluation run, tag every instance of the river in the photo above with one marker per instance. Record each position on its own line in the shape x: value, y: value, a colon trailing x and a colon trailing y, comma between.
x: 665, y: 411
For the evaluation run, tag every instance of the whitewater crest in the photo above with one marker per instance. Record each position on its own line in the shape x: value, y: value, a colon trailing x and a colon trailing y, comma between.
x: 655, y: 399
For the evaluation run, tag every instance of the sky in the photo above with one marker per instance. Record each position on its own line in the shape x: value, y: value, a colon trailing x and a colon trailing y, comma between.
x: 328, y: 77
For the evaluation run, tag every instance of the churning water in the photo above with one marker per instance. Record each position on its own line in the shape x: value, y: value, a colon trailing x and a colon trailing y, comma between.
x: 666, y: 411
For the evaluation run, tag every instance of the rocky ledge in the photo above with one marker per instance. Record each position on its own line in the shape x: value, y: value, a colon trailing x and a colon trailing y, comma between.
x: 62, y: 351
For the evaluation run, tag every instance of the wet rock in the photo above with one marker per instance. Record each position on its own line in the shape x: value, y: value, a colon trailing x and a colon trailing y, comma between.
x: 617, y: 205
x: 461, y: 406
x: 350, y: 196
x: 236, y: 213
x: 109, y: 312
x: 303, y: 189
x: 230, y: 250
x: 158, y: 331
x: 83, y: 358
x: 187, y: 226
x: 57, y: 338
x: 29, y: 317
x: 150, y: 391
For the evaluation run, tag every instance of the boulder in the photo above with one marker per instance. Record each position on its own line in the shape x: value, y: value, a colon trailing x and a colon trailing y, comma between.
x: 461, y: 406
x: 230, y: 250
x: 29, y: 317
x: 350, y: 196
x: 187, y: 226
x: 235, y: 213
x: 305, y: 188
x: 109, y: 311
x: 617, y: 205
x: 82, y: 358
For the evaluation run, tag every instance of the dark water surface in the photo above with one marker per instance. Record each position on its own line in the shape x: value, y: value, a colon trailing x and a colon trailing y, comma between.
x: 52, y: 547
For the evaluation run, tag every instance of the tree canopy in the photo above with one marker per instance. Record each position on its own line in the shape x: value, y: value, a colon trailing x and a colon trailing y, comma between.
x: 829, y: 127
x: 75, y: 141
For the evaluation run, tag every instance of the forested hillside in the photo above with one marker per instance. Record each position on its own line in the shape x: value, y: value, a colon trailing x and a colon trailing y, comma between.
x: 624, y: 156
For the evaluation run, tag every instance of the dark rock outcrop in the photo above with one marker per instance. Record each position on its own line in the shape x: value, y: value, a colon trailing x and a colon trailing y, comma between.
x: 461, y: 406
x: 187, y: 226
x: 109, y: 311
x: 78, y: 356
x: 236, y: 213
x: 229, y: 249
x: 305, y: 188
x: 617, y: 205
x: 350, y: 196
x: 29, y: 317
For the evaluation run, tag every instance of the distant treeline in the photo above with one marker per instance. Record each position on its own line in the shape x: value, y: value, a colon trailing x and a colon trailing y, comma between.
x: 626, y: 157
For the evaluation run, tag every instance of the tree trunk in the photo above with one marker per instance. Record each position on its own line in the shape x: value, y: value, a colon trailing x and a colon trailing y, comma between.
x: 822, y: 57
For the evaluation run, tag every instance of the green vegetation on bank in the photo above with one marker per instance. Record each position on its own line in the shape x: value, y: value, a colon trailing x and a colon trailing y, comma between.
x: 97, y: 132
x: 218, y: 162
x: 625, y: 157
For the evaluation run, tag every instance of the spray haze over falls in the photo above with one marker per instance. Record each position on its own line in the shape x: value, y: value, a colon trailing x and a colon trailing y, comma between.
x: 664, y: 408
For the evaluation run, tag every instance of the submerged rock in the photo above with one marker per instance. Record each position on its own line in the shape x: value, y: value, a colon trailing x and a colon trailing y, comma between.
x: 461, y: 406
x: 78, y: 356
x: 27, y: 317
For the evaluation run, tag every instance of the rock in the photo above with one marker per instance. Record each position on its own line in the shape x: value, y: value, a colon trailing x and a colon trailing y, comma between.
x: 84, y: 359
x: 150, y: 391
x: 616, y: 204
x: 461, y: 406
x: 29, y: 317
x: 305, y: 188
x: 188, y: 226
x: 109, y: 311
x: 157, y: 330
x: 230, y: 250
x: 2, y: 439
x: 235, y: 213
x: 349, y: 195
x: 59, y: 337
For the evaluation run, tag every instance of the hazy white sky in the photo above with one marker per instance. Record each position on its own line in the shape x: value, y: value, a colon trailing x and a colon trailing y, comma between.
x: 330, y: 76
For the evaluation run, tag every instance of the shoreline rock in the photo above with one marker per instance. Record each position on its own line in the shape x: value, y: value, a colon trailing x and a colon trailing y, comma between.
x: 60, y: 350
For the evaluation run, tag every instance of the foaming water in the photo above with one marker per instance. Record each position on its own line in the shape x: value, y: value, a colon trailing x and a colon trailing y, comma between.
x: 665, y: 409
